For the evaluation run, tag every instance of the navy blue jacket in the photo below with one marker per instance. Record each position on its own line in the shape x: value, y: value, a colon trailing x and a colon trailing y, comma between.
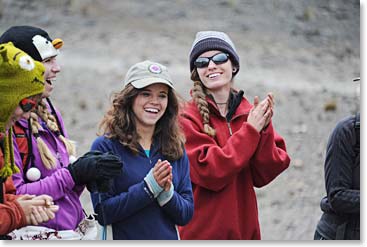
x: 130, y: 207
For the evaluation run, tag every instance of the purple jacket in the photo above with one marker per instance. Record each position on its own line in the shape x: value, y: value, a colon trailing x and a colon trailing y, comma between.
x: 57, y: 182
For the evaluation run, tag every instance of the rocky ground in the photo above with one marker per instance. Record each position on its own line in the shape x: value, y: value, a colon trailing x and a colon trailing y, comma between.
x: 305, y: 51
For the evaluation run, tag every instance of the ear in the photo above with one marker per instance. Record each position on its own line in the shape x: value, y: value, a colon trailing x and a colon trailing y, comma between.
x: 234, y: 70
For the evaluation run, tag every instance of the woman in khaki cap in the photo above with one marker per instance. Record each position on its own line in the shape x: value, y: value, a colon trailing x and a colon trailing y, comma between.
x: 153, y: 195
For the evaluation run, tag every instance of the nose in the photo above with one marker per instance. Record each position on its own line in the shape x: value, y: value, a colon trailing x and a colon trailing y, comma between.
x: 211, y: 64
x: 155, y: 101
x: 55, y: 67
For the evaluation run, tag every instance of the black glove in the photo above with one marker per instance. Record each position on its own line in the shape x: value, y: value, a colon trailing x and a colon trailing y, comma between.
x: 95, y: 166
x: 100, y: 185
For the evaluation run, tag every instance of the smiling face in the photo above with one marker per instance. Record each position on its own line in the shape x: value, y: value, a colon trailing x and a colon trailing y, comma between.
x: 52, y: 68
x: 150, y: 105
x: 215, y: 77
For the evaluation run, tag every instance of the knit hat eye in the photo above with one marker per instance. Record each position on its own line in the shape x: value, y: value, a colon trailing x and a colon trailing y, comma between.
x: 26, y: 62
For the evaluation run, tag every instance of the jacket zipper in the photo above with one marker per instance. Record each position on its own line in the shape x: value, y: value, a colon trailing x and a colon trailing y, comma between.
x: 229, y: 128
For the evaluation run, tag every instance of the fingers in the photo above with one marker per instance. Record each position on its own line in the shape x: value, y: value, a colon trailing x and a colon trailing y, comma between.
x: 256, y: 101
x: 94, y: 152
x: 38, y: 215
x: 41, y: 202
x: 42, y: 214
x: 162, y: 172
x: 270, y: 98
x: 268, y: 115
x: 261, y: 107
x: 110, y: 168
x: 50, y: 211
x: 167, y: 185
x: 110, y: 158
x: 261, y: 113
x: 47, y: 200
x: 33, y: 220
x: 26, y: 197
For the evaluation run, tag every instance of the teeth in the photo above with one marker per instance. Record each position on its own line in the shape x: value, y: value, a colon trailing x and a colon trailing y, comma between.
x: 213, y: 75
x: 50, y: 81
x: 151, y: 110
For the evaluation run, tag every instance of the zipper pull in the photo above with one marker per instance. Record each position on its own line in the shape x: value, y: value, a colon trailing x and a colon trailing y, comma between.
x: 229, y: 128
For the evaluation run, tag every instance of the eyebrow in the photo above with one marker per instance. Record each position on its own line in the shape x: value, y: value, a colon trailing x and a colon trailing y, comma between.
x: 15, y: 56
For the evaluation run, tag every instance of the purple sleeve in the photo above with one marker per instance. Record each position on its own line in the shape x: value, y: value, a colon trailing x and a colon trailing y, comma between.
x: 55, y: 185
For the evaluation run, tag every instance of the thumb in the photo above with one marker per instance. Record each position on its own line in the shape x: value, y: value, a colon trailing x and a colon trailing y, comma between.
x: 26, y: 197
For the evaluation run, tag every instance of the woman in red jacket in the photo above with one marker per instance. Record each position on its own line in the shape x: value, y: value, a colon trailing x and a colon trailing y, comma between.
x: 231, y: 144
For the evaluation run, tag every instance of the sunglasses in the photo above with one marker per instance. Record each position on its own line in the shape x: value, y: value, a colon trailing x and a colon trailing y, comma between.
x: 203, y: 62
x: 27, y: 104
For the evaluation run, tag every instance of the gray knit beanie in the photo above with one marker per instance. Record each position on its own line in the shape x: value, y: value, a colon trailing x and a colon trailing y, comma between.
x: 213, y: 40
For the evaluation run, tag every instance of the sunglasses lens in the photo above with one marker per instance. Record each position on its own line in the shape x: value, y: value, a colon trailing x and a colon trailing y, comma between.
x: 201, y: 62
x: 220, y: 58
x: 27, y: 105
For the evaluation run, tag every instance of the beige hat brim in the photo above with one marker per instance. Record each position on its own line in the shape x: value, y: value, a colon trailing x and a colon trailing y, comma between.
x: 149, y: 81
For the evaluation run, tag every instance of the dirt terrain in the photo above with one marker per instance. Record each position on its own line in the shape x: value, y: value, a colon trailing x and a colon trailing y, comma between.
x: 305, y: 51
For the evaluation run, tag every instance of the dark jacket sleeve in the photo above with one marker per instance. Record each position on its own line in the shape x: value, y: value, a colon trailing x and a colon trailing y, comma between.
x: 339, y: 164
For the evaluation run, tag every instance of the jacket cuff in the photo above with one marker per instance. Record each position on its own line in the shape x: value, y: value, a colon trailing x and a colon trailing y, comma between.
x: 165, y: 196
x: 152, y: 184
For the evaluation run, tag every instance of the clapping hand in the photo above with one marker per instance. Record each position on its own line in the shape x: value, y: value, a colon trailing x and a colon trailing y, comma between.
x: 37, y: 209
x: 162, y: 173
x: 261, y: 112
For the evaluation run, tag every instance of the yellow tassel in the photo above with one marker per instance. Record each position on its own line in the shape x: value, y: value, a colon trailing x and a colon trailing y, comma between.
x: 14, y: 168
x: 9, y: 167
x: 6, y: 171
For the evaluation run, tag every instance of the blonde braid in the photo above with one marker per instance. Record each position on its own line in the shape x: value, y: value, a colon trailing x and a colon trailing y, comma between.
x: 47, y: 157
x: 51, y: 122
x: 199, y: 98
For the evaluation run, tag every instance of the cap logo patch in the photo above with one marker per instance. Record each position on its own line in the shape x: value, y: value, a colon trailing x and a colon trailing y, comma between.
x: 154, y: 68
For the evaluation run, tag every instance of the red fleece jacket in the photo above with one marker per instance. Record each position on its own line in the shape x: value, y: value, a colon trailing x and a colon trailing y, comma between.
x: 224, y: 171
x: 11, y: 214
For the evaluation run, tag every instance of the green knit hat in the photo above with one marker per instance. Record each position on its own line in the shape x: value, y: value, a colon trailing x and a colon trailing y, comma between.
x: 20, y: 78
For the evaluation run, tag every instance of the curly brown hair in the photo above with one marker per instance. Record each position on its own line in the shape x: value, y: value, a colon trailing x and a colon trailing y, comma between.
x: 119, y: 123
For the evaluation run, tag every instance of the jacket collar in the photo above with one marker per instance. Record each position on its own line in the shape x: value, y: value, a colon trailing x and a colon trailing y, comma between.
x: 234, y: 101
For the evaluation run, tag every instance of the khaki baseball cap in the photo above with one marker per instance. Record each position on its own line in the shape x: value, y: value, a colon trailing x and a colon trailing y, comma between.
x: 146, y: 73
